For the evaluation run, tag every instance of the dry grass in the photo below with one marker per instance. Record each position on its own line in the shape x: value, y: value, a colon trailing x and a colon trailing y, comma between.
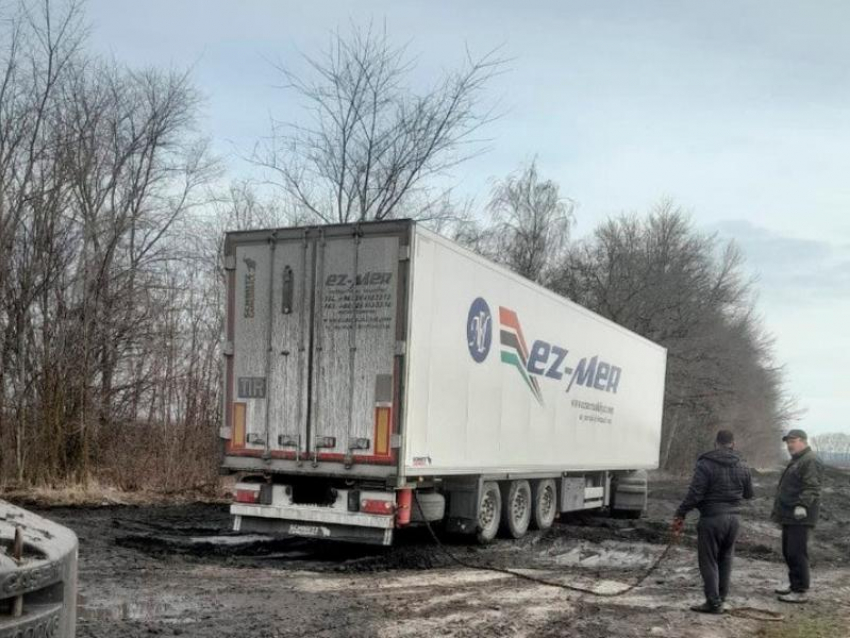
x: 811, y: 621
x: 807, y: 628
x: 97, y: 495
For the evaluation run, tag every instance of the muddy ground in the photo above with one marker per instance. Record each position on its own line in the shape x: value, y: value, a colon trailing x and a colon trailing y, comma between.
x: 175, y: 570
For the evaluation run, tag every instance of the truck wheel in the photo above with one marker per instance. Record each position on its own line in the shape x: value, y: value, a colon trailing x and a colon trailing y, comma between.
x: 545, y: 504
x: 516, y: 513
x: 489, y: 512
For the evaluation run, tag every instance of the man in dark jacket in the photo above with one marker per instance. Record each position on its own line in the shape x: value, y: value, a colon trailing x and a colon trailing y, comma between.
x: 721, y: 480
x: 796, y: 509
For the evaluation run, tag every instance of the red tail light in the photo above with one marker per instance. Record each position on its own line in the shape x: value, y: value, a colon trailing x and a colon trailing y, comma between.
x: 372, y: 506
x: 247, y: 494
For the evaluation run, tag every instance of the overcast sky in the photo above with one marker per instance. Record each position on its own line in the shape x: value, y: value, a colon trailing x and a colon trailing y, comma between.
x: 739, y: 111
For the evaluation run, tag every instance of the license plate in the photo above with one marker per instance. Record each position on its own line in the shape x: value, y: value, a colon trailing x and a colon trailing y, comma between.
x: 313, y: 531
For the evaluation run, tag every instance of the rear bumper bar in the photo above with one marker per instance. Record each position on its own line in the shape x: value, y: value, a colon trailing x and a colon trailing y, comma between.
x: 313, y: 522
x: 312, y: 514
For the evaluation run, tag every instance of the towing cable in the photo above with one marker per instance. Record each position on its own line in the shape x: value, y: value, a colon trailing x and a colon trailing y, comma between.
x: 750, y: 613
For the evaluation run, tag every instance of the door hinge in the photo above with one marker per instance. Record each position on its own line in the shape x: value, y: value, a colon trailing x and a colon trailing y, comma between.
x: 227, y: 349
x: 400, y: 348
x: 230, y: 262
x: 404, y: 253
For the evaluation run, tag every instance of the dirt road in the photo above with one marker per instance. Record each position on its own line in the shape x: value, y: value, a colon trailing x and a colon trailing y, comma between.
x: 176, y: 571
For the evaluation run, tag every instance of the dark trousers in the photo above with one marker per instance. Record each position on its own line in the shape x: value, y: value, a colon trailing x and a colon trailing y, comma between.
x: 716, y: 536
x: 795, y: 550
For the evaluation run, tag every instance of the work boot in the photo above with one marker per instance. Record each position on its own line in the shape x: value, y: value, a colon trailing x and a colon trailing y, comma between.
x: 782, y: 591
x: 708, y: 608
x: 795, y: 597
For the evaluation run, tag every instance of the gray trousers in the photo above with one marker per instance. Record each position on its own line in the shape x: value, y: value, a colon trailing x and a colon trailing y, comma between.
x: 716, y: 536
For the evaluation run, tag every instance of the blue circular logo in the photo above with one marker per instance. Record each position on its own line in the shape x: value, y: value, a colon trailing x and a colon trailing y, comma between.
x: 479, y: 330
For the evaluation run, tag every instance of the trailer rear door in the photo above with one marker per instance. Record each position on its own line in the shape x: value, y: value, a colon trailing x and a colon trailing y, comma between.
x: 271, y: 346
x: 314, y: 319
x: 354, y: 376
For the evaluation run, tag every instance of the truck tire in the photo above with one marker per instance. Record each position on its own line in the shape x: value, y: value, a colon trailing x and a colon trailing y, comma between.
x: 545, y: 500
x: 516, y: 508
x: 489, y: 512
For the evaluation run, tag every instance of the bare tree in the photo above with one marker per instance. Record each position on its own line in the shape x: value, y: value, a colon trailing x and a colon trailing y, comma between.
x: 833, y: 448
x: 97, y: 165
x: 670, y: 283
x: 39, y: 43
x: 832, y: 442
x: 372, y: 143
x: 530, y: 227
x: 136, y: 171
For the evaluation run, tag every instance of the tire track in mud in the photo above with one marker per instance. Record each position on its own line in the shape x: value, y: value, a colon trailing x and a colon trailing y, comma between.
x: 577, y: 538
x: 142, y: 537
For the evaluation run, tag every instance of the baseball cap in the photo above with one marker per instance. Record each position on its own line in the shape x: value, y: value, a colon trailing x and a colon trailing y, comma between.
x: 796, y: 434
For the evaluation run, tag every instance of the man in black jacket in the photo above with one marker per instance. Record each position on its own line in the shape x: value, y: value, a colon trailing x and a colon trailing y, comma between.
x: 796, y: 509
x: 721, y: 480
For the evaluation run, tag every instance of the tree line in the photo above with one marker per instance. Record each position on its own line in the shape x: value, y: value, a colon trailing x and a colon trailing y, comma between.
x: 112, y: 217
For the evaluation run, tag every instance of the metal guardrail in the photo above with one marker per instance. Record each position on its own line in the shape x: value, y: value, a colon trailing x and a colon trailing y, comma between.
x: 38, y: 576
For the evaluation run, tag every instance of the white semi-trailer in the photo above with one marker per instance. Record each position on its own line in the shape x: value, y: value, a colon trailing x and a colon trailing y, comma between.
x: 378, y: 374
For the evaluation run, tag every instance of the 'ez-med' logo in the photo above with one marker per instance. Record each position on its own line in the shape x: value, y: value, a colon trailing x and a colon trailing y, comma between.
x: 542, y: 359
x: 479, y: 330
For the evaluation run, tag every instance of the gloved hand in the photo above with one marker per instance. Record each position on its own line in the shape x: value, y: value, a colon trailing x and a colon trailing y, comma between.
x: 677, y: 526
x: 800, y: 512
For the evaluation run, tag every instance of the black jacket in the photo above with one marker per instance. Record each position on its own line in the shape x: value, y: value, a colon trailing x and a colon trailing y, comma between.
x: 721, y: 480
x: 799, y: 485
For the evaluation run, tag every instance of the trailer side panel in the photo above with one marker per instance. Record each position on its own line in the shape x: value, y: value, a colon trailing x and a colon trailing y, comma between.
x: 505, y: 376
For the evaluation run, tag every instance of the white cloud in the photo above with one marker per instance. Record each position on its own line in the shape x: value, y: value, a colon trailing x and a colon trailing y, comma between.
x: 791, y: 269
